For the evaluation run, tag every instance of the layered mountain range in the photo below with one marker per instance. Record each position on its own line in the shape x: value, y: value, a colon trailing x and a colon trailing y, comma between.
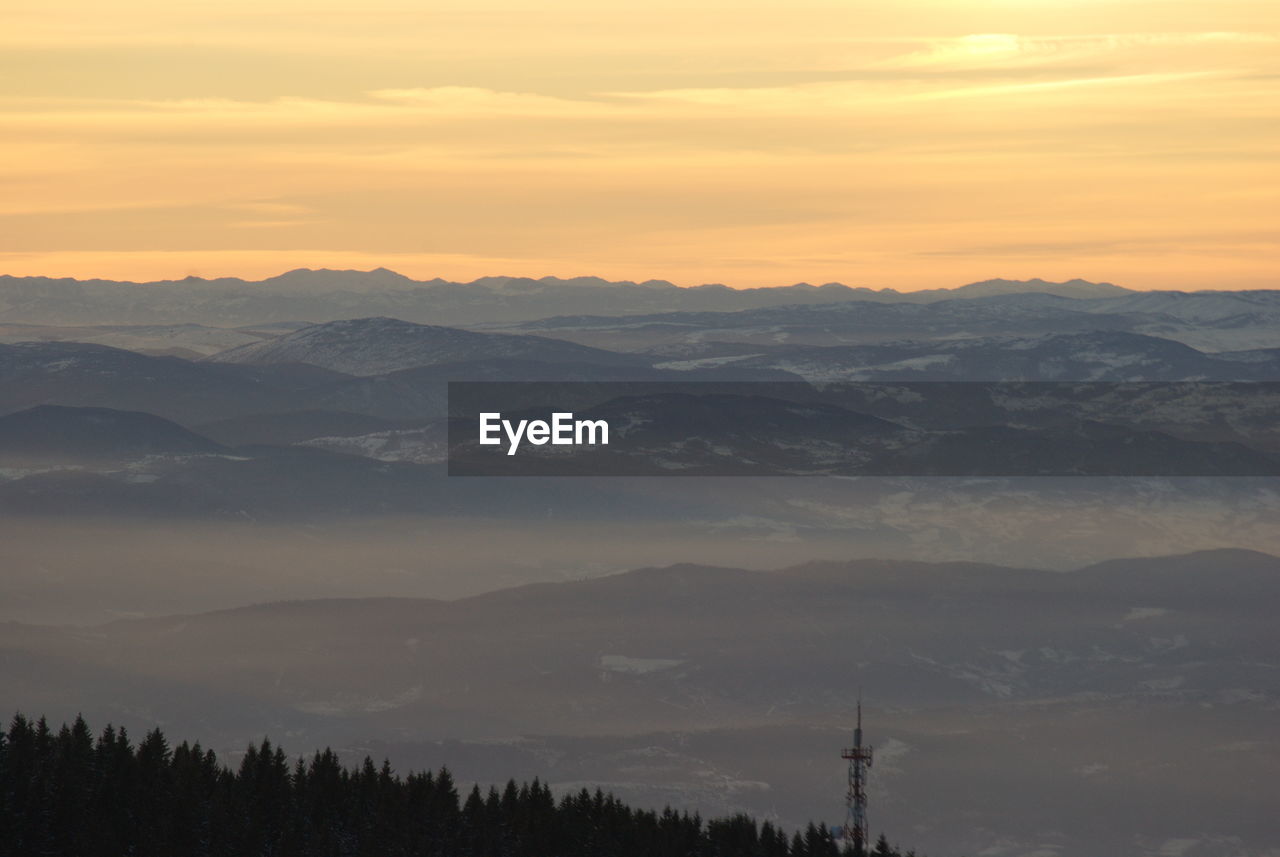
x: 325, y: 295
x: 172, y: 312
x: 172, y: 452
x: 349, y: 415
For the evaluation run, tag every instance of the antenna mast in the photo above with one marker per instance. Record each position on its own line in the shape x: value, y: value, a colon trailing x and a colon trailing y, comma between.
x: 859, y: 758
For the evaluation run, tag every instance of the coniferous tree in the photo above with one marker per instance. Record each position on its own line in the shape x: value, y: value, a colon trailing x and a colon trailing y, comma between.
x: 63, y: 794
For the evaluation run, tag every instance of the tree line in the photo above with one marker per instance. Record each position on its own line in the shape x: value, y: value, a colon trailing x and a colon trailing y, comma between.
x: 66, y: 792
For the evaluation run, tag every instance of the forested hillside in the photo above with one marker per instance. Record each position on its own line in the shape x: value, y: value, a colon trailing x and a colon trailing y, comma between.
x: 66, y: 793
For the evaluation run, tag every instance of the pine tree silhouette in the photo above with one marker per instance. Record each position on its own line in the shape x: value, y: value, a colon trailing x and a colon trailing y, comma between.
x: 64, y: 794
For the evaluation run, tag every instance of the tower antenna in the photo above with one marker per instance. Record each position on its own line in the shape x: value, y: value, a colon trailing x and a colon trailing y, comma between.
x: 859, y: 758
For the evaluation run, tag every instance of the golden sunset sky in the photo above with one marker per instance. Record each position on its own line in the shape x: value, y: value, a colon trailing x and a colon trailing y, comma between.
x: 903, y: 143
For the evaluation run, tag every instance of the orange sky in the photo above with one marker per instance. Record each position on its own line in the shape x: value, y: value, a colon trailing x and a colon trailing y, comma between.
x: 914, y: 143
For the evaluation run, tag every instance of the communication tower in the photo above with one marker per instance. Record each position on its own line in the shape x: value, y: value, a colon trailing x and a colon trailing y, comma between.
x: 859, y: 758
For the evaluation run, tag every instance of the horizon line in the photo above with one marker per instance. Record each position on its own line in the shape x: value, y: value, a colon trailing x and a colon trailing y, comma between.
x: 654, y: 281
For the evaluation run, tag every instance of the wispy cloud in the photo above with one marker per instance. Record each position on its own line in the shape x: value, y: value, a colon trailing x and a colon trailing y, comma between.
x: 479, y: 102
x: 268, y: 207
x: 271, y: 224
x: 1049, y: 86
x: 984, y: 50
x: 820, y: 98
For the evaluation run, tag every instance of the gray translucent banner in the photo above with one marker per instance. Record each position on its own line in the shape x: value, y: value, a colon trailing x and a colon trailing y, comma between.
x: 864, y: 429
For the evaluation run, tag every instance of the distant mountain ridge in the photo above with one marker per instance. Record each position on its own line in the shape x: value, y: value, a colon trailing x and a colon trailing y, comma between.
x: 1206, y: 321
x: 312, y: 278
x: 65, y: 435
x: 1103, y: 355
x: 84, y: 375
x: 327, y: 295
x: 375, y: 346
x: 198, y: 317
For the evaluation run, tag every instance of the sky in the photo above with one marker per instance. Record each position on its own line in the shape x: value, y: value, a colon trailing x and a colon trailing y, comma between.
x: 905, y: 144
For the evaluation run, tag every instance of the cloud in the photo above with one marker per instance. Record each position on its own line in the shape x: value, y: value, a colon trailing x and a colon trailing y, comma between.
x: 269, y: 224
x: 827, y: 98
x: 974, y: 50
x: 386, y: 107
x: 984, y: 50
x: 836, y: 135
x: 1041, y: 87
x: 268, y: 207
x: 477, y: 101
